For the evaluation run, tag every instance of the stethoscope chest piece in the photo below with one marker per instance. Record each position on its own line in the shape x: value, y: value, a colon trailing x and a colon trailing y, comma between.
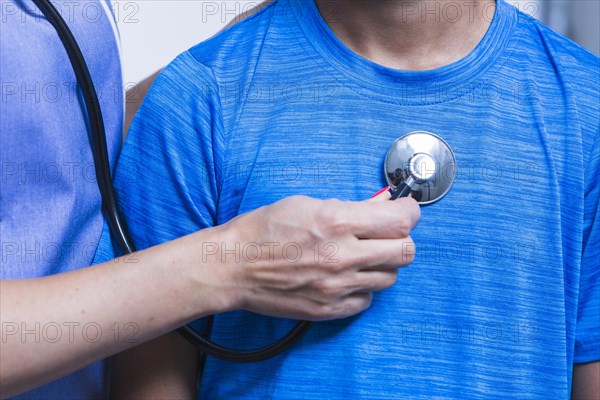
x: 424, y: 162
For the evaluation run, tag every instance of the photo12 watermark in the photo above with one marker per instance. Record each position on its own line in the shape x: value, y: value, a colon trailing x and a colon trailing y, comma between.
x: 89, y: 12
x: 270, y: 252
x: 69, y: 332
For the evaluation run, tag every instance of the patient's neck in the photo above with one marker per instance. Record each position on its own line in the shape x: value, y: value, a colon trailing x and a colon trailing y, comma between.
x: 409, y: 34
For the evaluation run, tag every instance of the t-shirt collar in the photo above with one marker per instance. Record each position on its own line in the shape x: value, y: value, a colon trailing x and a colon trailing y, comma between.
x: 404, y: 85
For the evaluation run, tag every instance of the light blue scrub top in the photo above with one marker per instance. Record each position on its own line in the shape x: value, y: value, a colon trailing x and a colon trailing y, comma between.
x: 50, y: 218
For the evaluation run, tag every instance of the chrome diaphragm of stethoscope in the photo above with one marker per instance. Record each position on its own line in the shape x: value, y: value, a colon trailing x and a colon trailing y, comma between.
x: 420, y: 164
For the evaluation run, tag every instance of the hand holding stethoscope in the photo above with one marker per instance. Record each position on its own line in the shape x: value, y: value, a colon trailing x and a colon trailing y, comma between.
x: 418, y: 164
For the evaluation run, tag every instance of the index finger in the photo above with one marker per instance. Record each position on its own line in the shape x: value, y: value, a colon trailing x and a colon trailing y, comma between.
x: 383, y: 219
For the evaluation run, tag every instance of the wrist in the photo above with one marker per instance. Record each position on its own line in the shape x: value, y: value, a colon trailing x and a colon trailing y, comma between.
x: 214, y: 273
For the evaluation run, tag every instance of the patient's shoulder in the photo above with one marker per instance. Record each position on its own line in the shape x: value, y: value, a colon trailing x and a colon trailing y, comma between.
x: 246, y: 13
x: 238, y: 45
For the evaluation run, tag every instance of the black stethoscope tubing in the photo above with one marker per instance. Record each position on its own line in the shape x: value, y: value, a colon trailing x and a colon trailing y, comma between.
x: 110, y: 205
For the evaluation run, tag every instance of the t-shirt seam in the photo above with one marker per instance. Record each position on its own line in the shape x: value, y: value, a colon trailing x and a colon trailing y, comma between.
x: 563, y: 70
x: 595, y: 142
x: 232, y: 131
x: 214, y: 83
x: 228, y: 137
x: 585, y: 344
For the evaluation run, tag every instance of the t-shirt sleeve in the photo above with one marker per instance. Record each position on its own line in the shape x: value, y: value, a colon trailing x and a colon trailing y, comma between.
x: 587, y: 339
x: 167, y: 179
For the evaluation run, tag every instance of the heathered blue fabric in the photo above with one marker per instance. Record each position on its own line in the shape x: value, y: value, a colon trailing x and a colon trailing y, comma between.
x: 50, y: 215
x: 503, y: 296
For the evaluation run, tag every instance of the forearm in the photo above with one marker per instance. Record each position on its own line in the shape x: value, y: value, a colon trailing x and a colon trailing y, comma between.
x: 161, y: 288
x: 164, y: 368
x: 55, y: 325
x: 586, y: 381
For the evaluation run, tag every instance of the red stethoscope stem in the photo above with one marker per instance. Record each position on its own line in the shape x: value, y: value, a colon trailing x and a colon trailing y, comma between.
x: 382, y: 191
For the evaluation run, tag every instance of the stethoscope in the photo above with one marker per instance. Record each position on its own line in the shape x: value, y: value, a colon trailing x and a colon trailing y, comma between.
x: 419, y: 164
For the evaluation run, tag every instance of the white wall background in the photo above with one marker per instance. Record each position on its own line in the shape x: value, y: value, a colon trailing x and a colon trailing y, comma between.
x: 578, y: 19
x: 153, y: 32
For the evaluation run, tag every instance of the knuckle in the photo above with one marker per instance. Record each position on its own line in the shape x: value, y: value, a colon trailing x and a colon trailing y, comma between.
x: 300, y: 204
x: 362, y: 259
x: 324, y: 217
x: 314, y: 313
x: 367, y: 300
x: 416, y: 209
x: 330, y: 311
x: 411, y: 207
x: 338, y: 268
x: 296, y: 199
x: 391, y: 279
x: 320, y: 312
x: 350, y: 309
x: 409, y: 250
x: 340, y: 263
x: 328, y: 290
x: 351, y: 306
x: 403, y: 226
x: 333, y: 219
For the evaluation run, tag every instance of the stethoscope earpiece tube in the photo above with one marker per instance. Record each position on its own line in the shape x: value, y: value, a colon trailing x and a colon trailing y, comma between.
x: 110, y: 205
x: 96, y: 122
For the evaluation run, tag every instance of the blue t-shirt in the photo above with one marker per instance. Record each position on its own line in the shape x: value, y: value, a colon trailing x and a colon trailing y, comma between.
x: 50, y: 216
x: 503, y: 296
